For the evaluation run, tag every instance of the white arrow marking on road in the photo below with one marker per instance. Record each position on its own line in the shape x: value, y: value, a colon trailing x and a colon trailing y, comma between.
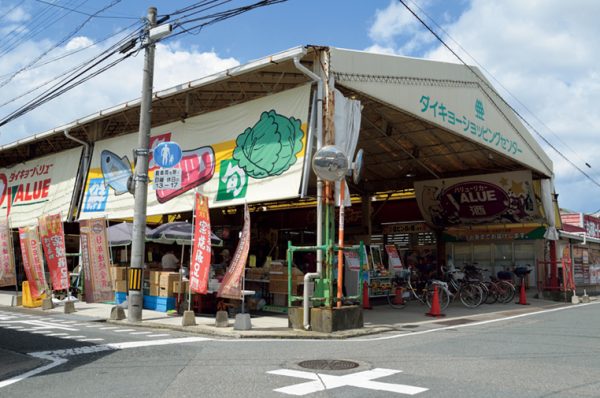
x: 321, y: 381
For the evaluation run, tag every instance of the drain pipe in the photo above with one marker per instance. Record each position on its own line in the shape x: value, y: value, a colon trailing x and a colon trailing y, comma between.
x: 78, y: 183
x: 313, y: 275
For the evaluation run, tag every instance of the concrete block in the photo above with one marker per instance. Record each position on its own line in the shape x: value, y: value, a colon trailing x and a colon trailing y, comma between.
x: 189, y: 318
x: 117, y: 313
x: 327, y: 320
x: 16, y: 301
x: 222, y: 319
x: 242, y: 322
x: 47, y: 303
x: 69, y: 307
x: 296, y: 318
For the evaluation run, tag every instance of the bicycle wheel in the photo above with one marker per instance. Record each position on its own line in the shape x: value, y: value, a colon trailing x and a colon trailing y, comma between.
x: 443, y: 297
x: 471, y: 295
x: 506, y: 291
x: 492, y: 292
x: 394, y: 301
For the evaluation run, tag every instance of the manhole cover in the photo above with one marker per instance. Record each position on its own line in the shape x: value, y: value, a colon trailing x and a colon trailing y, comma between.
x: 328, y: 364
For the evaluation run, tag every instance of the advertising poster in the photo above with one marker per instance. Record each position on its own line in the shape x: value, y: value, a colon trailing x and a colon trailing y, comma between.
x: 395, y: 264
x: 32, y: 260
x: 95, y: 260
x: 40, y: 186
x: 231, y: 287
x: 201, y: 252
x: 53, y: 242
x: 352, y: 260
x: 502, y: 198
x: 7, y: 256
x: 246, y: 153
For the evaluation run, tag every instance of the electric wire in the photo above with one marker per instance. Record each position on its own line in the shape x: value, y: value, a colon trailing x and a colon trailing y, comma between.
x: 6, y: 13
x: 502, y: 99
x: 84, y: 13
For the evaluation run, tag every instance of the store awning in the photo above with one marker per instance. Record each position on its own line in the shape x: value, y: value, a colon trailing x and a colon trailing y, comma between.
x: 180, y: 232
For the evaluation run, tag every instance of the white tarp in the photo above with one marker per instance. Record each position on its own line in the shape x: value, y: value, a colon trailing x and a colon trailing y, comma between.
x: 250, y: 152
x: 347, y: 129
x: 37, y: 187
x: 448, y: 95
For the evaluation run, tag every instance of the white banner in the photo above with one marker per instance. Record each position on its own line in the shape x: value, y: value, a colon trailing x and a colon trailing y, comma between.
x: 250, y: 152
x: 37, y: 187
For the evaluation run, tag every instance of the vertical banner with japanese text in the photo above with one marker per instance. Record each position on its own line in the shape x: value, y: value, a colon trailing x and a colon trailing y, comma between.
x: 95, y: 259
x: 394, y: 262
x: 53, y: 241
x: 32, y: 260
x: 200, y: 264
x: 231, y: 287
x: 7, y: 256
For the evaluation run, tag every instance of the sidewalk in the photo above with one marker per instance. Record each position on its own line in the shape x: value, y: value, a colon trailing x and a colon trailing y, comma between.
x: 382, y: 318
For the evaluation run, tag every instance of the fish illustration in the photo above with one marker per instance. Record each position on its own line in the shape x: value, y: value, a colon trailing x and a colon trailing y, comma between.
x: 197, y: 167
x: 116, y: 171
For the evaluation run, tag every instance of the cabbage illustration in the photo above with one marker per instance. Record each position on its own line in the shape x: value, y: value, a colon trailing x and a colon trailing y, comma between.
x: 269, y: 148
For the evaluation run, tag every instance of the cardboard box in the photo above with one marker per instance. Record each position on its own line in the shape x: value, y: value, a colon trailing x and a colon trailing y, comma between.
x: 176, y: 287
x: 155, y: 277
x: 166, y: 291
x: 167, y: 279
x: 154, y: 290
x: 120, y: 286
x: 118, y: 273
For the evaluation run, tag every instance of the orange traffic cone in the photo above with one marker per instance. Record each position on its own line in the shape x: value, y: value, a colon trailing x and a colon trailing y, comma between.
x: 366, y: 303
x: 435, y: 310
x: 522, y: 295
x: 398, y: 299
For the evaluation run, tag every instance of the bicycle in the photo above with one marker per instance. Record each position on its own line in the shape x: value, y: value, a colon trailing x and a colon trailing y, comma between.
x: 470, y: 294
x: 495, y: 289
x: 424, y: 294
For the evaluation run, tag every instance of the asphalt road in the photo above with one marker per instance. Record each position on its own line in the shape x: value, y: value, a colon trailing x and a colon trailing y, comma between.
x: 555, y: 353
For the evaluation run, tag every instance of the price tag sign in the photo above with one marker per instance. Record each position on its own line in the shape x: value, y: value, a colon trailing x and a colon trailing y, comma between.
x: 167, y: 178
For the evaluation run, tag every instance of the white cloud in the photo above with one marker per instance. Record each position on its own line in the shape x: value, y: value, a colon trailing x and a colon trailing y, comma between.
x: 545, y: 53
x: 122, y: 83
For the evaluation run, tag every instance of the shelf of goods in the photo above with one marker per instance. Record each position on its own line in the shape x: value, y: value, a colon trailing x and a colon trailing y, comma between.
x: 379, y: 284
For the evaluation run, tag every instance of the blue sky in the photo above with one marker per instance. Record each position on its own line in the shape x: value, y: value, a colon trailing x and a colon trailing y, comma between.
x: 543, y: 52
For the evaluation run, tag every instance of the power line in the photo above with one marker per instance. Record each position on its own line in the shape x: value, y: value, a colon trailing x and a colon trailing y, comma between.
x: 83, y: 13
x: 502, y: 99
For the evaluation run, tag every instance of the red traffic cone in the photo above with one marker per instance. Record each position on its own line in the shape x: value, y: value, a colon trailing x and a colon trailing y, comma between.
x: 522, y: 295
x: 366, y: 303
x: 435, y: 310
x: 398, y: 299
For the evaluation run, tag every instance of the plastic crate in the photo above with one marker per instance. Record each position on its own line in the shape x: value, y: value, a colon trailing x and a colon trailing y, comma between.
x: 157, y: 303
x: 120, y: 297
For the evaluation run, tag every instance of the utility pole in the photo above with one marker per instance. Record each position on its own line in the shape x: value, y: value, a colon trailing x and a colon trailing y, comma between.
x: 140, y: 179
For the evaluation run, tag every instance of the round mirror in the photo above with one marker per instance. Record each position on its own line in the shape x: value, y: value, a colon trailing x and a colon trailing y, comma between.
x: 330, y: 163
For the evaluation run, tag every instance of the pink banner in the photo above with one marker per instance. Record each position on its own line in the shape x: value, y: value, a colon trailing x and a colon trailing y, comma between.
x: 53, y: 242
x: 7, y: 257
x: 231, y: 287
x: 394, y: 261
x: 95, y: 259
x: 32, y: 260
x: 200, y: 264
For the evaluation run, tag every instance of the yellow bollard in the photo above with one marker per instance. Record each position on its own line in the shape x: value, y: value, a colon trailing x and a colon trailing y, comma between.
x: 29, y: 301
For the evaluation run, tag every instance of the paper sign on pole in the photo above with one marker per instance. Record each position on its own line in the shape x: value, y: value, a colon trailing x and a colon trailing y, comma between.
x: 53, y: 242
x: 7, y: 259
x: 201, y: 255
x: 394, y: 261
x: 232, y: 282
x: 95, y: 259
x: 32, y: 260
x: 353, y: 260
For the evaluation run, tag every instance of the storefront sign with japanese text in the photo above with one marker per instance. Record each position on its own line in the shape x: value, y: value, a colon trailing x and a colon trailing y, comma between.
x: 231, y: 287
x: 486, y: 199
x: 201, y: 256
x: 32, y: 260
x: 53, y: 242
x: 37, y: 187
x: 96, y: 260
x: 7, y: 256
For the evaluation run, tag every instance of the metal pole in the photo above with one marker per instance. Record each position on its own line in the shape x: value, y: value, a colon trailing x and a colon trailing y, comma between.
x: 141, y: 174
x: 340, y: 268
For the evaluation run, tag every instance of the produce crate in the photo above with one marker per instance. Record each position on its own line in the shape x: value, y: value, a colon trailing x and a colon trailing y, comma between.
x: 162, y: 304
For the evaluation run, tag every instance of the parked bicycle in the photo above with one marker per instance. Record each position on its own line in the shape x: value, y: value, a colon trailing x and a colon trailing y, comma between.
x: 422, y: 291
x: 469, y: 292
x: 495, y: 289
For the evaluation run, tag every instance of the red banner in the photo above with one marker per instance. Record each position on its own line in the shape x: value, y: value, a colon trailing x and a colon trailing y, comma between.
x: 95, y: 260
x: 32, y: 260
x: 231, y: 287
x: 53, y: 242
x: 200, y: 264
x: 7, y: 257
